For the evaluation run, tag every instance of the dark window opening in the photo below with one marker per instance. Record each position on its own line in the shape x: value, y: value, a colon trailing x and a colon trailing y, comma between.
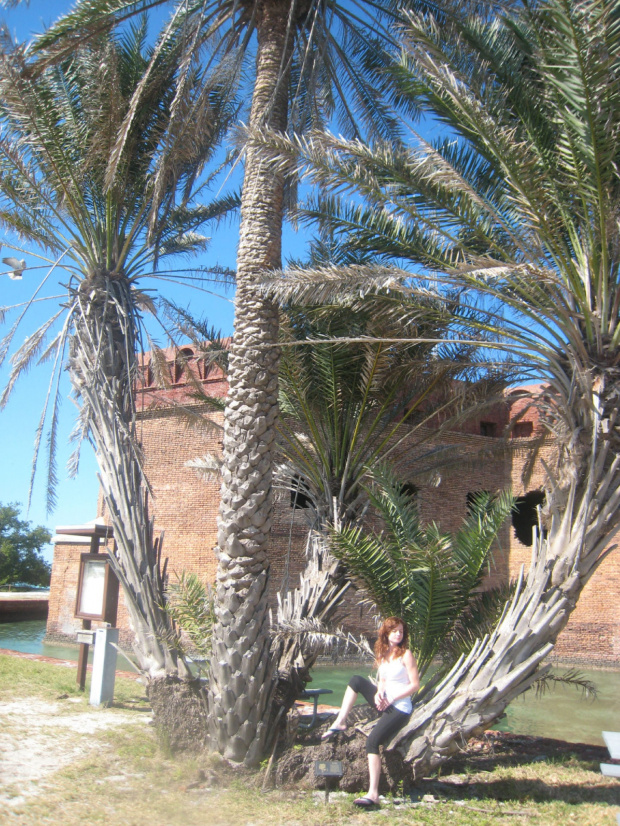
x: 299, y: 494
x: 147, y: 376
x: 181, y: 363
x: 522, y: 430
x: 488, y: 429
x: 410, y: 491
x: 525, y: 516
x: 205, y: 368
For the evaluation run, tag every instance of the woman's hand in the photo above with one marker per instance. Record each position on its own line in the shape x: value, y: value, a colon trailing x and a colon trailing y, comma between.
x: 381, y: 701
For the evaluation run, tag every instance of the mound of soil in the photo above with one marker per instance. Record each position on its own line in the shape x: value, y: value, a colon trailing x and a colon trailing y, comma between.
x: 180, y: 713
x: 295, y: 765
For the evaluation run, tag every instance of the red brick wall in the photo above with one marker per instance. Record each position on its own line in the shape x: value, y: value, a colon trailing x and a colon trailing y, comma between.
x: 185, y: 507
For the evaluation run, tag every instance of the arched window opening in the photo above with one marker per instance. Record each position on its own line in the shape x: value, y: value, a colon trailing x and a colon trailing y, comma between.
x: 525, y: 516
x: 205, y: 369
x: 181, y: 364
x: 411, y: 491
x: 299, y: 493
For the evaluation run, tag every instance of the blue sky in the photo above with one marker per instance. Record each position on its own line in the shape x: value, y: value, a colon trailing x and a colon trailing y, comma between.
x: 77, y: 498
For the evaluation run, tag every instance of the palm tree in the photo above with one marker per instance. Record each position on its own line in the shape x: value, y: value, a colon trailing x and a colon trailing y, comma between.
x: 519, y: 207
x: 352, y: 396
x: 60, y: 128
x: 312, y: 61
x: 431, y: 579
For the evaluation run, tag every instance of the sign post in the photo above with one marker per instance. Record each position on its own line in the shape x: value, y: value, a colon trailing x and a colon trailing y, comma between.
x: 327, y: 769
x: 104, y: 667
x: 97, y: 591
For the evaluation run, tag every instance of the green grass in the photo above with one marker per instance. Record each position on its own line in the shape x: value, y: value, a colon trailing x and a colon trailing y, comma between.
x: 22, y: 677
x: 127, y: 780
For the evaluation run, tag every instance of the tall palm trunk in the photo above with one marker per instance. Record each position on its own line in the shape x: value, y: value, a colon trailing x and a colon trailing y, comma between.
x: 102, y: 369
x: 241, y: 684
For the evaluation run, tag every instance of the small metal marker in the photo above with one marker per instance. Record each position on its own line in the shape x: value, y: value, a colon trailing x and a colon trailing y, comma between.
x: 327, y: 769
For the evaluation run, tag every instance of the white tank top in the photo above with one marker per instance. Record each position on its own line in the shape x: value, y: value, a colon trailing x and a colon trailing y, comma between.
x: 395, y: 675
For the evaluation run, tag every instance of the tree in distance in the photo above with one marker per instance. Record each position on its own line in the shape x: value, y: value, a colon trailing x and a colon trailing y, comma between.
x: 21, y: 560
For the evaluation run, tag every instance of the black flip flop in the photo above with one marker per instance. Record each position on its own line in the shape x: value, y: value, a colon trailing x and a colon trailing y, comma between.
x: 332, y: 732
x: 365, y: 803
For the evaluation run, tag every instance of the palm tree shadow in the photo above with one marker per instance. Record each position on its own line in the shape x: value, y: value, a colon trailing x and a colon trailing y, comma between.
x: 474, y: 773
x: 529, y: 789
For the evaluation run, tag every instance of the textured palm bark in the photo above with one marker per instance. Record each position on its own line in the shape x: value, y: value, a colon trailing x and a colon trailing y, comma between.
x: 102, y: 369
x: 320, y: 592
x: 241, y: 680
x: 584, y: 502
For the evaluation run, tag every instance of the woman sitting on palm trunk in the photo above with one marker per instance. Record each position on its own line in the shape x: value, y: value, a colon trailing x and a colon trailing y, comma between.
x: 398, y: 680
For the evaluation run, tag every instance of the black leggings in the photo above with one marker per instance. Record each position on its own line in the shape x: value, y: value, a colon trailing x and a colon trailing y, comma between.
x: 389, y: 720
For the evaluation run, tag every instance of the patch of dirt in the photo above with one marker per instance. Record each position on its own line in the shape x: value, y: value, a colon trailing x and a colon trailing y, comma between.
x: 296, y: 765
x: 503, y: 747
x: 39, y: 737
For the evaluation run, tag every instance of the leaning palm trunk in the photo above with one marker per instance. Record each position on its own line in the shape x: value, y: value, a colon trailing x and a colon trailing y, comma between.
x: 242, y: 685
x: 102, y: 368
x: 583, y: 505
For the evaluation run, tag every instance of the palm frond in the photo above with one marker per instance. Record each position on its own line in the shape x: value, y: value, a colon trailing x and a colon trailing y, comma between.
x: 474, y: 540
x: 191, y: 604
x: 572, y: 678
x: 427, y: 577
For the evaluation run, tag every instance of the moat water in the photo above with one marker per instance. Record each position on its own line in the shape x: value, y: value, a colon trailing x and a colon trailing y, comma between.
x: 27, y: 636
x: 562, y: 713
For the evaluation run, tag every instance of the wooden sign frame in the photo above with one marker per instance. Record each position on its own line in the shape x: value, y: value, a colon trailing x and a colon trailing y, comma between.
x: 109, y: 597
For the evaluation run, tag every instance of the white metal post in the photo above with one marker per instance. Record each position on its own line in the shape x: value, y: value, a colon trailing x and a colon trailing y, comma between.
x: 104, y: 667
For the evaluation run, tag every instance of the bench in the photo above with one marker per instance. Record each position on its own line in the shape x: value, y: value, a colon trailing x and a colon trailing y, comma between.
x: 313, y: 694
x: 612, y: 741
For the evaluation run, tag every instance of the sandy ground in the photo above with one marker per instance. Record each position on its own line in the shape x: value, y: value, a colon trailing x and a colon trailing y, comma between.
x: 39, y: 737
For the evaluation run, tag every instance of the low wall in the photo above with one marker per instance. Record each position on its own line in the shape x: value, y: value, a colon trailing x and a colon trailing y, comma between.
x: 15, y: 606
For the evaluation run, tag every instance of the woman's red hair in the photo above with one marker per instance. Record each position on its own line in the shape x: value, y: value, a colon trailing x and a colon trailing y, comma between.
x: 382, y: 646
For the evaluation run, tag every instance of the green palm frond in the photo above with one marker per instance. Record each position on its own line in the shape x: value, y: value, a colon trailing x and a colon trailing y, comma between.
x: 512, y: 216
x: 191, y: 605
x: 478, y: 617
x: 428, y: 577
x: 353, y: 392
x: 398, y: 511
x: 336, y: 58
x: 474, y: 540
x: 367, y: 560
